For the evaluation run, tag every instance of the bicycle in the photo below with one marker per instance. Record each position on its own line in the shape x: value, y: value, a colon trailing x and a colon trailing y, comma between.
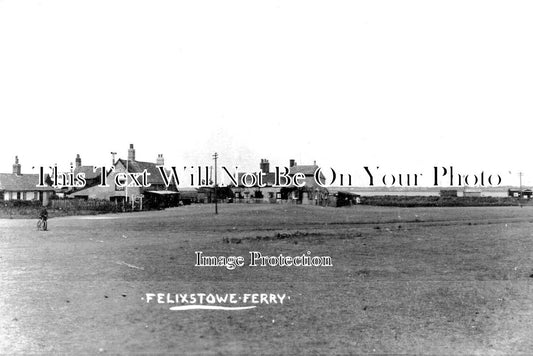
x: 42, y: 225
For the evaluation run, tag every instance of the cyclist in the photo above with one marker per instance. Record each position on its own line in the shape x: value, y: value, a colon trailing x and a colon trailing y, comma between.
x: 44, y: 217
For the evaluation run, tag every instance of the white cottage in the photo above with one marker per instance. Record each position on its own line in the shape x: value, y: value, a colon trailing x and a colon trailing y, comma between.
x: 18, y: 186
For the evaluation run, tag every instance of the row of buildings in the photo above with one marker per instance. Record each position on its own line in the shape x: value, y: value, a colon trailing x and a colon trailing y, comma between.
x: 18, y: 186
x: 157, y: 194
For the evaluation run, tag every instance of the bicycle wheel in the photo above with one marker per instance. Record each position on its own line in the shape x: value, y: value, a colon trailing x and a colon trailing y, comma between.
x: 39, y: 225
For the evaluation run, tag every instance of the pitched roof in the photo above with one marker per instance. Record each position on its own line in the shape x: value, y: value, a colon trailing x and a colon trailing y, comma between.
x: 22, y: 182
x: 307, y: 170
x: 139, y: 166
x: 88, y: 170
x: 268, y: 179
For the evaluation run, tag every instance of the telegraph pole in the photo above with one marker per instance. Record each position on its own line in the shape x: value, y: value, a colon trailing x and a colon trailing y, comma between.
x: 520, y: 174
x: 215, y: 156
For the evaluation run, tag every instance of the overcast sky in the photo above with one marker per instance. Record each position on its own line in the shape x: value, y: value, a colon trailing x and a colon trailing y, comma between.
x: 403, y: 85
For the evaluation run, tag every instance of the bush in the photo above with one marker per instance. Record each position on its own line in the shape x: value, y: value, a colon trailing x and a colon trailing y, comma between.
x: 10, y: 208
x: 75, y: 206
x: 436, y: 201
x: 21, y: 204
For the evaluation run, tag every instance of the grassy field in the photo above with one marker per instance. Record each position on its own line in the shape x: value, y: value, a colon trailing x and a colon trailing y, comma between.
x: 404, y: 280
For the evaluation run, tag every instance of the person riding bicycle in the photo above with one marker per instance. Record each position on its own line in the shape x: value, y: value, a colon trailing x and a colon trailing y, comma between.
x: 44, y: 217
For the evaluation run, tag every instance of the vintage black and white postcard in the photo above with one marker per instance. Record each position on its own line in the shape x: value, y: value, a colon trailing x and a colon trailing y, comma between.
x: 266, y: 177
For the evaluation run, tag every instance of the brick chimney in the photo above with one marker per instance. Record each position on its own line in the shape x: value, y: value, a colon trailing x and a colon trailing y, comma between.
x: 131, y: 153
x: 16, y: 166
x: 292, y: 163
x: 78, y: 161
x: 160, y: 160
x: 264, y: 166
